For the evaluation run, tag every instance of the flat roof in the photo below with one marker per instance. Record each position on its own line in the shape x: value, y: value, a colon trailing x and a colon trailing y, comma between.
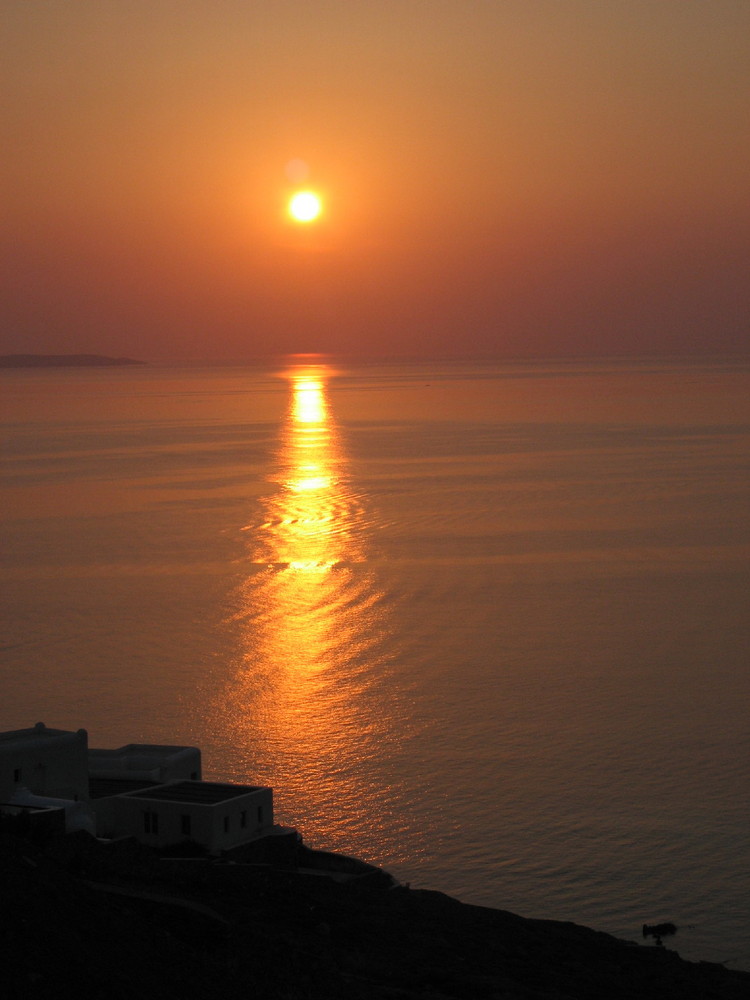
x: 141, y: 749
x: 35, y: 733
x: 206, y: 792
x: 102, y: 788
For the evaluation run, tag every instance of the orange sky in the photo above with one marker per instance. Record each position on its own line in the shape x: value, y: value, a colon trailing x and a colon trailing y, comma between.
x: 501, y: 177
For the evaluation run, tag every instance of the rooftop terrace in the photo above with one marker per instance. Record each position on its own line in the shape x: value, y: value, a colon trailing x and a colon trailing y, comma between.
x: 206, y: 792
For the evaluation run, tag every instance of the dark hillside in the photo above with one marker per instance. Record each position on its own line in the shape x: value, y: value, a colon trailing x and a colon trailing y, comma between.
x: 116, y: 922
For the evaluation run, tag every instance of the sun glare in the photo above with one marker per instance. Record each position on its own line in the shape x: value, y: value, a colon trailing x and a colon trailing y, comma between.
x: 305, y: 206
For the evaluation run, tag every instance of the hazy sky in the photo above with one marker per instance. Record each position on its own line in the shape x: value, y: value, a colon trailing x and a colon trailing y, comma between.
x: 499, y: 176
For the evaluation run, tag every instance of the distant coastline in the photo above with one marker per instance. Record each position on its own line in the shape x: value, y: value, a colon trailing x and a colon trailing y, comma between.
x: 64, y: 361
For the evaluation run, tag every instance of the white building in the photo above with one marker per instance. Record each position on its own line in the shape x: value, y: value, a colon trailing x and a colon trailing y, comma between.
x: 46, y: 762
x: 146, y: 762
x: 217, y: 816
x: 151, y: 792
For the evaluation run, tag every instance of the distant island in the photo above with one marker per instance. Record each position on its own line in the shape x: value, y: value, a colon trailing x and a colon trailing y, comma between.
x: 64, y: 361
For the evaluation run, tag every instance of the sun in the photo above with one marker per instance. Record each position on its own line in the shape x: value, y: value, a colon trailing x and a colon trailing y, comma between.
x: 305, y: 206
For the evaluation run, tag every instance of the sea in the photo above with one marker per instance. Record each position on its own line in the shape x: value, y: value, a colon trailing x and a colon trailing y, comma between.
x: 484, y: 624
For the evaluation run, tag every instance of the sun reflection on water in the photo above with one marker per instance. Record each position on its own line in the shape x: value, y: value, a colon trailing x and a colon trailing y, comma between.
x: 310, y: 708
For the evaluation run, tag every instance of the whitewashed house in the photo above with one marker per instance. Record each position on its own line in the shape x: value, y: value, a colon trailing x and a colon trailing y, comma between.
x: 217, y: 816
x: 46, y: 762
x: 146, y: 762
x: 152, y: 792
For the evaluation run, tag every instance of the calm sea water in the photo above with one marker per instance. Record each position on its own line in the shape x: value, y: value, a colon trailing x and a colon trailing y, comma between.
x: 486, y: 625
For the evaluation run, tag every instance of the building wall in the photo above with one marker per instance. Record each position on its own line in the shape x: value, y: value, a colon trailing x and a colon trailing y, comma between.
x: 146, y: 761
x: 216, y: 826
x: 77, y: 813
x: 45, y: 761
x: 105, y: 816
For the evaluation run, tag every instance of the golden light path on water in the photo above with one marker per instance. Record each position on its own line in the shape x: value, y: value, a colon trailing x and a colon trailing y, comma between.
x: 311, y: 704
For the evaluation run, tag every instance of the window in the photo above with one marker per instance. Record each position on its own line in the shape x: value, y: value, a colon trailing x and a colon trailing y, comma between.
x: 17, y: 775
x: 260, y: 814
x: 226, y: 824
x: 150, y: 822
x: 185, y: 825
x: 243, y: 818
